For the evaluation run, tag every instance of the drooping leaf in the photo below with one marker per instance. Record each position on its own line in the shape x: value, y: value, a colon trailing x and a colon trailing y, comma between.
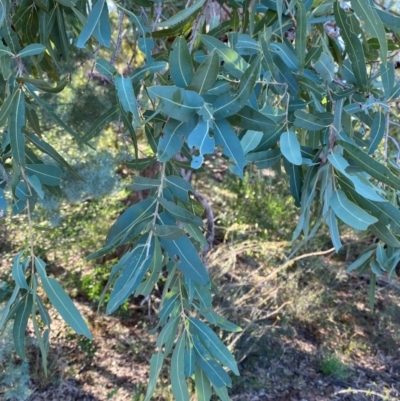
x: 214, y: 344
x: 176, y: 102
x: 178, y: 380
x: 156, y: 362
x: 15, y: 123
x: 206, y: 74
x: 202, y: 385
x: 308, y: 121
x: 31, y: 50
x: 18, y: 271
x: 179, y: 187
x: 142, y: 183
x: 127, y: 98
x: 248, y: 118
x: 185, y: 254
x: 180, y: 213
x: 181, y: 15
x: 200, y: 139
x: 47, y: 174
x: 290, y: 147
x: 91, y: 23
x: 372, y: 24
x: 350, y: 213
x: 61, y: 301
x: 226, y: 137
x: 20, y: 323
x: 227, y: 104
x: 377, y: 131
x: 301, y: 35
x: 180, y: 63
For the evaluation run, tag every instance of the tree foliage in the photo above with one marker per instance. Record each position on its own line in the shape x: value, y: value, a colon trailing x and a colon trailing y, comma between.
x: 309, y: 85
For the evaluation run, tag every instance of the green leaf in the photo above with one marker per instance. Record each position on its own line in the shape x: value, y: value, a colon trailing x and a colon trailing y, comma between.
x: 179, y: 103
x: 47, y: 174
x: 127, y: 97
x: 372, y: 24
x: 52, y: 115
x: 18, y: 271
x: 360, y: 261
x: 181, y: 16
x: 97, y: 126
x: 20, y: 323
x: 202, y: 385
x: 286, y: 54
x: 168, y: 232
x: 32, y: 50
x: 228, y: 104
x: 61, y: 301
x: 216, y: 347
x: 171, y: 140
x: 226, y: 325
x: 384, y: 234
x: 49, y: 150
x: 388, y: 78
x: 182, y: 250
x: 102, y: 31
x: 91, y: 22
x: 156, y: 362
x: 350, y: 213
x: 141, y: 183
x: 136, y: 266
x: 200, y: 139
x: 45, y: 86
x: 248, y: 118
x: 377, y: 131
x: 325, y: 67
x: 105, y: 68
x: 222, y: 393
x: 6, y: 313
x: 290, y: 147
x: 226, y: 137
x: 7, y: 107
x: 179, y: 213
x: 353, y: 46
x: 3, y: 11
x: 301, y: 35
x: 214, y: 372
x: 308, y: 121
x: 371, y: 166
x: 5, y: 51
x: 234, y: 64
x: 3, y: 204
x: 251, y: 140
x: 15, y: 123
x: 178, y: 380
x: 180, y: 63
x: 179, y: 187
x: 129, y: 219
x: 147, y: 285
x: 206, y: 75
x: 141, y: 73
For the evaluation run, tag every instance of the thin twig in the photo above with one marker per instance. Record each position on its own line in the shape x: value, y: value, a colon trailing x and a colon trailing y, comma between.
x: 119, y: 37
x: 385, y: 153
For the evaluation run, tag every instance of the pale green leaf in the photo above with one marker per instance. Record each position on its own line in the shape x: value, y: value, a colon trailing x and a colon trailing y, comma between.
x: 91, y: 22
x: 32, y: 50
x: 20, y: 323
x: 180, y: 63
x: 178, y: 381
x: 206, y: 74
x: 16, y: 121
x: 181, y: 16
x: 202, y: 385
x: 156, y: 362
x: 290, y: 147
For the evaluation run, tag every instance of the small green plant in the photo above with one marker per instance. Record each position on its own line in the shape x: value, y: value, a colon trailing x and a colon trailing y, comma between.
x: 332, y: 366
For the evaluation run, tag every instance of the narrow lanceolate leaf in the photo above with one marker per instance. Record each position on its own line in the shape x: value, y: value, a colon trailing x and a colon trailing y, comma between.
x: 377, y: 131
x: 181, y: 15
x: 20, y: 322
x: 179, y: 187
x: 178, y: 380
x: 176, y: 102
x: 5, y: 51
x: 61, y: 301
x: 234, y: 64
x: 180, y: 213
x: 142, y: 183
x: 211, y: 368
x: 91, y: 22
x: 105, y: 68
x: 142, y: 73
x: 229, y: 104
x: 15, y: 123
x: 6, y: 108
x: 102, y: 31
x: 384, y: 234
x: 156, y: 362
x: 301, y: 35
x: 206, y: 75
x: 372, y: 24
x: 202, y: 385
x: 127, y: 97
x: 360, y: 261
x: 18, y: 272
x: 3, y: 204
x: 308, y: 121
x: 45, y: 86
x: 325, y: 67
x: 32, y: 50
x: 214, y: 344
x: 47, y: 174
x: 48, y: 149
x: 353, y: 46
x: 132, y: 275
x: 200, y: 139
x: 371, y: 166
x: 129, y: 219
x: 184, y: 253
x: 180, y: 63
x: 249, y: 118
x: 350, y: 213
x: 290, y: 147
x: 226, y: 137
